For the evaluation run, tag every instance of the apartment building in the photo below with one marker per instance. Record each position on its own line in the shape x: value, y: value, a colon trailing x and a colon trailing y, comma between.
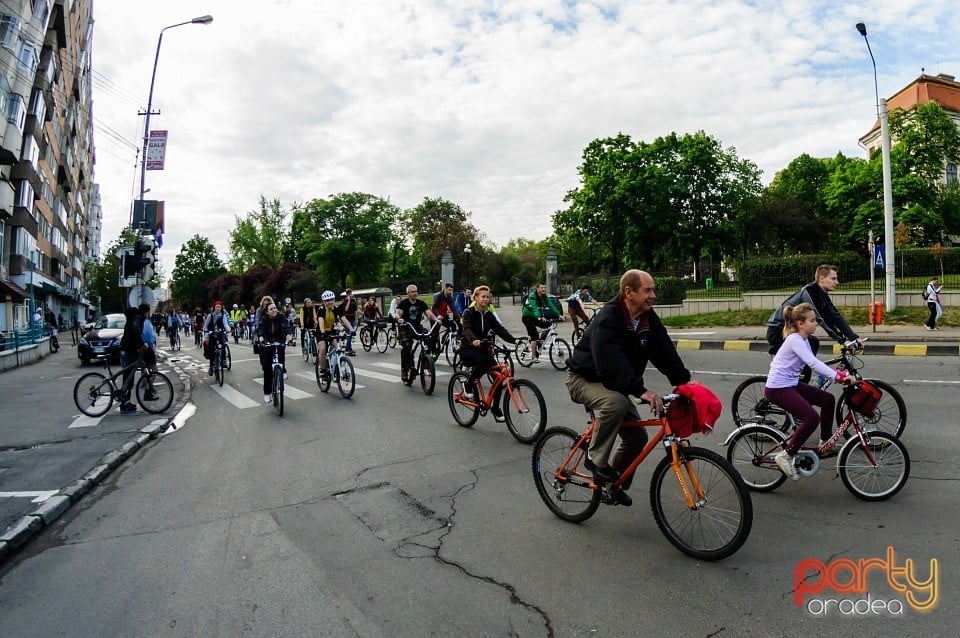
x: 942, y: 89
x: 50, y: 214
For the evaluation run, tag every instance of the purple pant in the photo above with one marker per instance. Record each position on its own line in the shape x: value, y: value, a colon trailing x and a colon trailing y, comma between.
x: 799, y: 401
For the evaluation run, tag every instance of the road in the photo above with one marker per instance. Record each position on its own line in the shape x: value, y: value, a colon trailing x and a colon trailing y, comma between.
x: 378, y: 516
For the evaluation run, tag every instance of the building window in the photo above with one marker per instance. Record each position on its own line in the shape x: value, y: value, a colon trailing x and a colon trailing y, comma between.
x: 38, y: 106
x: 29, y: 57
x: 15, y: 110
x: 24, y: 196
x: 951, y: 173
x: 9, y: 30
x: 41, y: 11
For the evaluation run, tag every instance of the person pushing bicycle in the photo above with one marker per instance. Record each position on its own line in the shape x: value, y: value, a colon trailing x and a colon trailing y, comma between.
x: 479, y: 327
x: 608, y: 363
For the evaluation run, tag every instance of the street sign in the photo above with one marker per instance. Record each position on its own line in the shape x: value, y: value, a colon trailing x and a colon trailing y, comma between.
x: 879, y: 260
x: 140, y: 294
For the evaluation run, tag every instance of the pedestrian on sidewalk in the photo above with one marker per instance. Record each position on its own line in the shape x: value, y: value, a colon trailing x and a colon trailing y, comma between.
x: 932, y: 295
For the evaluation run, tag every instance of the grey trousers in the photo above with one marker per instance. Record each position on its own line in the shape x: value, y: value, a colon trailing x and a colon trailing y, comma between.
x: 609, y: 407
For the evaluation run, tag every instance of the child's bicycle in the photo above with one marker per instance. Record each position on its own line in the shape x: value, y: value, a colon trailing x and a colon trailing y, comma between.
x: 872, y: 464
x: 749, y: 406
x: 522, y: 405
x: 699, y: 501
x: 95, y: 392
x: 550, y: 341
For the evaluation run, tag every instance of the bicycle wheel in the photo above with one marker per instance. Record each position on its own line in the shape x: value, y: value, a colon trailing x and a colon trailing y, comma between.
x: 278, y: 390
x: 564, y: 486
x: 227, y: 357
x: 522, y: 352
x: 451, y: 350
x: 576, y: 336
x: 154, y: 392
x: 323, y: 380
x: 751, y: 451
x: 392, y: 336
x: 866, y: 481
x: 749, y: 406
x: 720, y: 521
x: 93, y: 394
x: 428, y: 373
x: 524, y: 410
x: 218, y: 368
x: 305, y: 351
x: 346, y: 379
x: 559, y: 351
x: 366, y: 339
x: 889, y: 416
x: 381, y: 340
x: 176, y: 343
x: 465, y: 412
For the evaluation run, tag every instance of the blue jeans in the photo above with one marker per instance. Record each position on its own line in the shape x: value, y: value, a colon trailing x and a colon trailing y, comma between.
x: 353, y: 327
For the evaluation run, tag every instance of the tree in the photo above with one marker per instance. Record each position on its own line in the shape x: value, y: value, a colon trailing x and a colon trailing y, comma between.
x: 195, y: 266
x: 259, y: 238
x: 103, y: 277
x: 346, y: 237
x: 435, y: 225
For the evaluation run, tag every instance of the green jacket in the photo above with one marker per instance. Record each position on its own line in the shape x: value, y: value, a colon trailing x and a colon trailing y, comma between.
x: 540, y: 307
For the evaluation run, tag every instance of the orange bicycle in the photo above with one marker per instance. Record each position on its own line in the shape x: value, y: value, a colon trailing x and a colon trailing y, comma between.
x: 707, y: 514
x: 524, y: 408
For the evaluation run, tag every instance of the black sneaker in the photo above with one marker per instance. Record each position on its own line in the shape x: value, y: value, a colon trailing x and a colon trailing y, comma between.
x: 605, y: 474
x: 151, y: 396
x: 622, y: 498
x: 351, y: 353
x: 497, y: 414
x: 128, y: 408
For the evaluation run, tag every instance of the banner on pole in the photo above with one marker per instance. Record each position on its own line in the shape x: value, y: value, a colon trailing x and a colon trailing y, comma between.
x: 156, y: 150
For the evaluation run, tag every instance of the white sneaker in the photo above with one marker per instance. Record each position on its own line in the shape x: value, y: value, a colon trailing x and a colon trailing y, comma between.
x: 267, y: 398
x: 284, y: 376
x: 785, y: 462
x: 467, y: 396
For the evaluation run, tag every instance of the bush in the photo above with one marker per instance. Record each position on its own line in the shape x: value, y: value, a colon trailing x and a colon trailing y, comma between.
x: 791, y: 272
x: 670, y: 290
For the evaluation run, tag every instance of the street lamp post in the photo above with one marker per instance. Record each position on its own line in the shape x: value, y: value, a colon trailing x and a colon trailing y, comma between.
x: 888, y: 243
x: 146, y: 126
x: 467, y: 250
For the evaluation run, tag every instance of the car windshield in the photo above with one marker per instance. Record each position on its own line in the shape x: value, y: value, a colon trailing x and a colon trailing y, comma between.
x: 110, y: 322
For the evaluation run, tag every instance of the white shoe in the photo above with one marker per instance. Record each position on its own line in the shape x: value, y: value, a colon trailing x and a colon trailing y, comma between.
x: 284, y: 376
x: 785, y: 462
x: 467, y: 396
x: 928, y: 327
x: 267, y: 398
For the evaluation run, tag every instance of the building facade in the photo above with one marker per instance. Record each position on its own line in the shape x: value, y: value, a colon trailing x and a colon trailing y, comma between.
x: 50, y: 214
x: 942, y: 89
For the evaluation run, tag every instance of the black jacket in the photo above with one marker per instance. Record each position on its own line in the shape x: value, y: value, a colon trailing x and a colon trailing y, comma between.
x: 132, y: 340
x: 481, y: 325
x: 273, y: 330
x: 612, y: 352
x: 830, y: 319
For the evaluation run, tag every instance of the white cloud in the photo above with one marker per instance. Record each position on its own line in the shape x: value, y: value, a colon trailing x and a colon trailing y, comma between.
x: 486, y: 103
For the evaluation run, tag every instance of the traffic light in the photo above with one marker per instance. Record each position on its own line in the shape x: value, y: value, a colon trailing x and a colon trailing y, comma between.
x: 144, y: 251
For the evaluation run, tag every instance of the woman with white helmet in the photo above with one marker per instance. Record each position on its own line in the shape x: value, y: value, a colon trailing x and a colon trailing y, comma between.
x: 328, y: 316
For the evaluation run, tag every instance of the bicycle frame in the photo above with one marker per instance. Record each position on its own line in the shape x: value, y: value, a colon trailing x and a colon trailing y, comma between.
x: 687, y: 479
x: 501, y: 378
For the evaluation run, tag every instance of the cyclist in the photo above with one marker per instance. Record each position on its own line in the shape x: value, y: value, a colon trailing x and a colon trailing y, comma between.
x: 537, y: 310
x: 173, y: 326
x: 327, y: 319
x: 238, y: 317
x: 463, y: 300
x: 149, y: 347
x: 783, y: 385
x: 575, y: 303
x: 444, y: 308
x: 371, y: 310
x: 272, y: 327
x: 608, y: 363
x: 198, y: 318
x: 308, y: 321
x: 217, y: 326
x: 290, y: 311
x: 349, y: 311
x: 251, y: 322
x: 479, y: 327
x: 816, y: 293
x: 410, y: 311
x: 131, y: 346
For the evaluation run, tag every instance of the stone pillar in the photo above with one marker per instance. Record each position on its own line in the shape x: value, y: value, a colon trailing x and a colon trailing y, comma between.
x: 446, y: 267
x: 553, y: 274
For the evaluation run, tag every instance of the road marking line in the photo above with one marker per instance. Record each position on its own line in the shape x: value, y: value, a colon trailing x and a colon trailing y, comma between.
x: 313, y: 377
x: 909, y: 350
x: 234, y: 396
x: 731, y: 374
x: 688, y: 344
x: 289, y: 391
x: 396, y: 366
x: 931, y: 382
x: 84, y: 421
x: 38, y: 497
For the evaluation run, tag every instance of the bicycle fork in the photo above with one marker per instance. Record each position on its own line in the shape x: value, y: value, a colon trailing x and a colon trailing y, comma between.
x: 697, y: 498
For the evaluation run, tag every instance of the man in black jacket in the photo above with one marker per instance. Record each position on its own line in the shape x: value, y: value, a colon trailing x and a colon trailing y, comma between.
x: 131, y: 345
x: 816, y: 293
x: 608, y: 363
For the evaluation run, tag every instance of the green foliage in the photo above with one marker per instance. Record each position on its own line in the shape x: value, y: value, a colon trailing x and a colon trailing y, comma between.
x: 347, y: 237
x: 197, y: 264
x: 259, y: 238
x: 788, y: 272
x: 670, y: 290
x: 435, y: 225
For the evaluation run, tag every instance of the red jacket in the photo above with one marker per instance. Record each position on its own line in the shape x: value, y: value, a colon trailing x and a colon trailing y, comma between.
x: 697, y: 410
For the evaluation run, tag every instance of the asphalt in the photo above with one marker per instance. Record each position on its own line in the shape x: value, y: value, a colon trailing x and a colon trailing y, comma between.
x: 884, y: 340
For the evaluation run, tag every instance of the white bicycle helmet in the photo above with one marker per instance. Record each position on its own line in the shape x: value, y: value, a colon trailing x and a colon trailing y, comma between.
x: 328, y: 296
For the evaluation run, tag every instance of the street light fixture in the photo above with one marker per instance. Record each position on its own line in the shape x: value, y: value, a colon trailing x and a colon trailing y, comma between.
x: 888, y: 244
x: 207, y: 19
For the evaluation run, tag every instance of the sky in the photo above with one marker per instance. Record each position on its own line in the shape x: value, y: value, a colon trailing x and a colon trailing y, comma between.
x: 486, y: 103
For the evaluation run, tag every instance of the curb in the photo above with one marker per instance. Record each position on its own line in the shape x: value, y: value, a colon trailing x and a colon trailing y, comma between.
x: 895, y: 349
x: 30, y: 525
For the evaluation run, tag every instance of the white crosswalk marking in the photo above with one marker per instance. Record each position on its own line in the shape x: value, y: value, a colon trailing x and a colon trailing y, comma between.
x: 84, y: 421
x: 234, y: 396
x: 313, y: 377
x: 396, y: 366
x: 289, y: 391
